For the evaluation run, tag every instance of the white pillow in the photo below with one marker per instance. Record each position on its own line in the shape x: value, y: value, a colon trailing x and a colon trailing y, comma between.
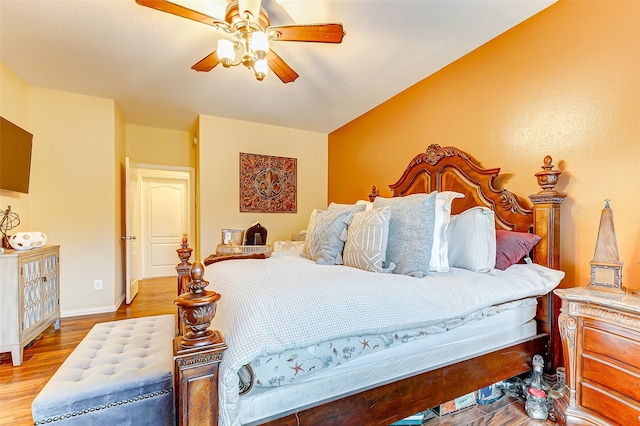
x: 335, y: 207
x: 368, y: 204
x: 410, y: 232
x: 281, y: 245
x: 471, y: 236
x: 440, y: 250
x: 366, y: 246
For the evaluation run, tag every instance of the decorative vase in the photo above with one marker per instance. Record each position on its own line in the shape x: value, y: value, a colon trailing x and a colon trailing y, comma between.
x: 40, y: 238
x: 27, y: 240
x: 536, y: 404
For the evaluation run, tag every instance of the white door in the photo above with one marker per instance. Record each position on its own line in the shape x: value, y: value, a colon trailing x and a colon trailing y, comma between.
x: 131, y: 232
x: 165, y: 218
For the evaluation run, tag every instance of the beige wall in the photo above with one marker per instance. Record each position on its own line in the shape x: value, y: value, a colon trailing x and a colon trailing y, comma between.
x: 76, y: 183
x: 149, y: 145
x: 566, y: 83
x: 14, y: 107
x: 220, y: 143
x: 73, y: 188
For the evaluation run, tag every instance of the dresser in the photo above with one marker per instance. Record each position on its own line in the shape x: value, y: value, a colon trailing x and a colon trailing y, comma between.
x: 29, y: 297
x: 600, y: 334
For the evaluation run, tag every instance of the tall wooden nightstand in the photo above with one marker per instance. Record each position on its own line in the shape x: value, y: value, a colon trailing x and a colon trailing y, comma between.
x: 601, y: 341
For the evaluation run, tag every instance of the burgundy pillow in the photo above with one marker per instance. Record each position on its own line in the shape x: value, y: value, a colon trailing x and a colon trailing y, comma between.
x: 512, y: 246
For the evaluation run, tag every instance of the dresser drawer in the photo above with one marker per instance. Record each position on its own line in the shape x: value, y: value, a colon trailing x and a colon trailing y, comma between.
x: 613, y: 346
x: 613, y: 377
x: 608, y: 406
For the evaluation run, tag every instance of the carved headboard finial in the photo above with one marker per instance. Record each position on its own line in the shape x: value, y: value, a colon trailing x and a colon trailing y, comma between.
x: 548, y: 178
x: 184, y: 252
x: 196, y: 310
x: 375, y: 192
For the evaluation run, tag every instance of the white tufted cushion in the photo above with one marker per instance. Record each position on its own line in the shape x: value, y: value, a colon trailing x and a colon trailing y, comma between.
x: 118, y: 363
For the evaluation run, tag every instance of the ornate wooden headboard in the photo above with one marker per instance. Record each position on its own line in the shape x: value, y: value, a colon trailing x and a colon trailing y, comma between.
x: 450, y: 169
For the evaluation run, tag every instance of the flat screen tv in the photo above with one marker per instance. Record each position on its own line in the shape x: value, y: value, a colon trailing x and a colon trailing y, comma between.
x: 15, y: 157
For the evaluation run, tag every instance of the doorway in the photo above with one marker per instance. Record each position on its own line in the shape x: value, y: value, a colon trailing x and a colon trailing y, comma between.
x: 165, y: 214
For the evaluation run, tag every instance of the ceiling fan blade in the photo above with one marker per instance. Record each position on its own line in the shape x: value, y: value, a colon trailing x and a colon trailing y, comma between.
x: 317, y: 33
x: 175, y: 9
x: 280, y: 68
x: 207, y: 63
x: 249, y: 6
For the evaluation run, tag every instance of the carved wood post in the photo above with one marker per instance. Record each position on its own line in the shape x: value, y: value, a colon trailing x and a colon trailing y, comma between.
x: 546, y: 222
x: 197, y: 354
x: 568, y: 325
x: 184, y: 267
x: 184, y: 270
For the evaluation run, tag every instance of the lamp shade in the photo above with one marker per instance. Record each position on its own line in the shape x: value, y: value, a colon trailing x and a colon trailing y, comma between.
x: 260, y: 44
x: 225, y: 51
x: 261, y: 68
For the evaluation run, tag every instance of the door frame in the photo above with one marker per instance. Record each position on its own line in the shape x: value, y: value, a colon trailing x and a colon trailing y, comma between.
x: 140, y: 170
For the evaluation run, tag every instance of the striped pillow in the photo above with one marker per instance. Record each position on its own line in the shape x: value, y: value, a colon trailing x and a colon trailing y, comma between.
x: 366, y: 246
x: 471, y: 237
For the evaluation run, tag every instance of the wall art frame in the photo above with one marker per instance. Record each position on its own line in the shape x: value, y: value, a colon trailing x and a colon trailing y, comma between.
x: 268, y: 184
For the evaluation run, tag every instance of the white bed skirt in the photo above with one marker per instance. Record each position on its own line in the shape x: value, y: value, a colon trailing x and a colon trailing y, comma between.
x: 406, y: 360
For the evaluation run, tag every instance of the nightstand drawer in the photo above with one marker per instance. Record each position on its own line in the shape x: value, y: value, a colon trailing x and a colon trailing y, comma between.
x: 612, y: 346
x: 608, y: 406
x: 623, y: 381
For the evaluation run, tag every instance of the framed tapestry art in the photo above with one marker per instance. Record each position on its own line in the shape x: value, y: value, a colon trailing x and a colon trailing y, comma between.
x: 268, y: 184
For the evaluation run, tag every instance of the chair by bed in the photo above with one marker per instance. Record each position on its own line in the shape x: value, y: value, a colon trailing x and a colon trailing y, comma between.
x: 449, y: 169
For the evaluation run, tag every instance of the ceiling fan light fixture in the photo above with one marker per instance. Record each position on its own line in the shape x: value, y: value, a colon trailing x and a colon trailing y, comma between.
x: 260, y: 44
x: 248, y: 24
x: 261, y: 68
x: 226, y: 52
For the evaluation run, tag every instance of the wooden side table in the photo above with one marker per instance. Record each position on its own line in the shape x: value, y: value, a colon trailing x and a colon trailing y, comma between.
x: 601, y: 341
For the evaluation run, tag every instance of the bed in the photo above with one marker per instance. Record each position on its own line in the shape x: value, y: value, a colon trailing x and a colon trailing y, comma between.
x: 311, y: 342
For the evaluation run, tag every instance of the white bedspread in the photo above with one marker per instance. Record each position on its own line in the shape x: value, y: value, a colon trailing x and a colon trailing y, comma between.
x: 286, y: 301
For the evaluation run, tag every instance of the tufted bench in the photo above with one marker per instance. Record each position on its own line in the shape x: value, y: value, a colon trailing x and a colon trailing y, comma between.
x: 121, y: 373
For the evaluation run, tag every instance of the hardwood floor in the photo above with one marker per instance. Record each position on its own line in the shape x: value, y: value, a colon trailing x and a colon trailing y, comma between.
x: 19, y: 385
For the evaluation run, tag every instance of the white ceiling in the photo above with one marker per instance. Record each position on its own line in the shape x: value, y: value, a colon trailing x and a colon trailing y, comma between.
x: 142, y: 58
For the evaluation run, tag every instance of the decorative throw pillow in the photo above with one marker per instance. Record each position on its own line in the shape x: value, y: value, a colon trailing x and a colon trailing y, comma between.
x: 512, y: 246
x: 440, y: 250
x: 410, y: 232
x: 367, y: 235
x: 310, y: 226
x: 326, y: 240
x: 335, y: 207
x: 471, y: 236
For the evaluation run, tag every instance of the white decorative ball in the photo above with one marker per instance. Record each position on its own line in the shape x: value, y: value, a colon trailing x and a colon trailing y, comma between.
x: 27, y: 240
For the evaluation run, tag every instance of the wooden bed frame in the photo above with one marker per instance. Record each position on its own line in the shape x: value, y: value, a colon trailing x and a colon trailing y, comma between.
x: 440, y: 169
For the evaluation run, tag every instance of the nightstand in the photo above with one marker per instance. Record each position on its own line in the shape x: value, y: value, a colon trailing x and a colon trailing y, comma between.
x: 601, y: 342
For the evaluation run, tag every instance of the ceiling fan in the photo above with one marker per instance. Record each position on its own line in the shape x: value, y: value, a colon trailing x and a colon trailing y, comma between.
x: 248, y: 24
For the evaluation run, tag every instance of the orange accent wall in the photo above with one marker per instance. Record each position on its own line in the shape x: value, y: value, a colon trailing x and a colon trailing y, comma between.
x: 566, y: 82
